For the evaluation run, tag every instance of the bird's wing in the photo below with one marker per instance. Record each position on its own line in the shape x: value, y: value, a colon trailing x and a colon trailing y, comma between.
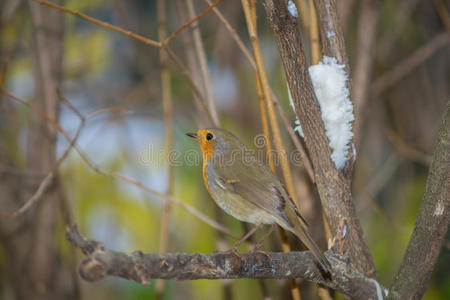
x: 256, y: 183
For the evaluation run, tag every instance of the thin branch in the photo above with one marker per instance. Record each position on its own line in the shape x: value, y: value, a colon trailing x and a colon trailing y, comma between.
x: 249, y: 8
x: 101, y: 262
x: 234, y: 36
x: 431, y: 224
x: 406, y: 150
x: 134, y: 182
x: 443, y: 13
x: 201, y: 56
x: 164, y: 235
x: 407, y: 65
x: 278, y: 142
x: 185, y: 72
x: 100, y: 23
x: 391, y: 36
x: 140, y: 38
x: 369, y: 16
x: 186, y: 25
x: 314, y: 34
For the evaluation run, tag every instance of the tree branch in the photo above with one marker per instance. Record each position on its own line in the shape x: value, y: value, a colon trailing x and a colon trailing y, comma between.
x: 431, y: 223
x: 101, y: 262
x: 333, y: 185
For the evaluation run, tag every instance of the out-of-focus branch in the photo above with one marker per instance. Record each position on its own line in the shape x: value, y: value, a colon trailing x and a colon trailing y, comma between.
x: 192, y: 21
x: 201, y: 56
x: 101, y: 262
x: 333, y: 186
x: 166, y: 93
x: 314, y: 34
x: 100, y: 23
x: 406, y: 150
x: 405, y: 67
x: 147, y: 41
x: 366, y: 44
x: 345, y: 11
x: 389, y: 39
x: 99, y: 170
x: 431, y: 224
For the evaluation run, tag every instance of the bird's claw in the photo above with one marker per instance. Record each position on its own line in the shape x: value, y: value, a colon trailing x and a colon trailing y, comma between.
x: 257, y: 249
x: 233, y: 251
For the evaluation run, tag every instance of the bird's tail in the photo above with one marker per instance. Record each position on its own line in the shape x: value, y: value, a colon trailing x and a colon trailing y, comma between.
x: 301, y: 232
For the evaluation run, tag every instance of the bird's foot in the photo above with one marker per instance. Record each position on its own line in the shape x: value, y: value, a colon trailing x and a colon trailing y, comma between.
x: 257, y: 249
x: 233, y: 251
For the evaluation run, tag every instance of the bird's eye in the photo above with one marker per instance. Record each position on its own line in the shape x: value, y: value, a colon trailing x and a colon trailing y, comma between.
x: 209, y: 136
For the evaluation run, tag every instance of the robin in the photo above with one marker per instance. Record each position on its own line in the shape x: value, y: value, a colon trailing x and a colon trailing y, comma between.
x: 247, y: 189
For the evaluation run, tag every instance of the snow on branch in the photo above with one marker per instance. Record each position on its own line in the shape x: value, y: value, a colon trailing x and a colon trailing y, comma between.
x: 329, y: 80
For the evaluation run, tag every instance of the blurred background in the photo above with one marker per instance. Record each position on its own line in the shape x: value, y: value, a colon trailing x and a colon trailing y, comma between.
x: 399, y: 54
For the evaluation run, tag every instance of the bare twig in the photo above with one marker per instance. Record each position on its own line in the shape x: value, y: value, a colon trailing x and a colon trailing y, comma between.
x: 100, y: 23
x: 201, y: 56
x: 405, y: 67
x: 142, y: 39
x: 168, y: 140
x: 134, y: 182
x: 234, y: 35
x: 195, y: 89
x: 278, y: 142
x: 186, y: 25
x: 431, y: 224
x: 406, y: 150
x: 191, y: 58
x: 346, y: 12
x: 443, y: 13
x: 366, y: 44
x: 101, y: 262
x: 402, y: 18
x: 314, y: 34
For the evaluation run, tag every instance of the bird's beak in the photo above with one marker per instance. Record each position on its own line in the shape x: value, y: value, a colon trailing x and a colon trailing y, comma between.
x: 192, y: 135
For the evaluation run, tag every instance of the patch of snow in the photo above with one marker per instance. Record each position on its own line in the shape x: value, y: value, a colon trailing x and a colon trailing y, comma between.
x: 330, y: 85
x: 292, y: 9
x: 297, y: 127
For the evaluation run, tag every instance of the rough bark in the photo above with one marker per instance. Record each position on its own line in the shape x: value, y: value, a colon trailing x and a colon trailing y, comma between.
x: 431, y: 224
x: 334, y: 186
x: 101, y: 262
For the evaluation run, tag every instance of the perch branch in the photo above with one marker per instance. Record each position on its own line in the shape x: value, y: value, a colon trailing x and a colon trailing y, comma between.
x: 101, y: 262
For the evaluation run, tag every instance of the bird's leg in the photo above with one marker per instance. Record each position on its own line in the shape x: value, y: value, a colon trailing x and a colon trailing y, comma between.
x: 261, y: 241
x: 245, y: 237
x: 258, y: 245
